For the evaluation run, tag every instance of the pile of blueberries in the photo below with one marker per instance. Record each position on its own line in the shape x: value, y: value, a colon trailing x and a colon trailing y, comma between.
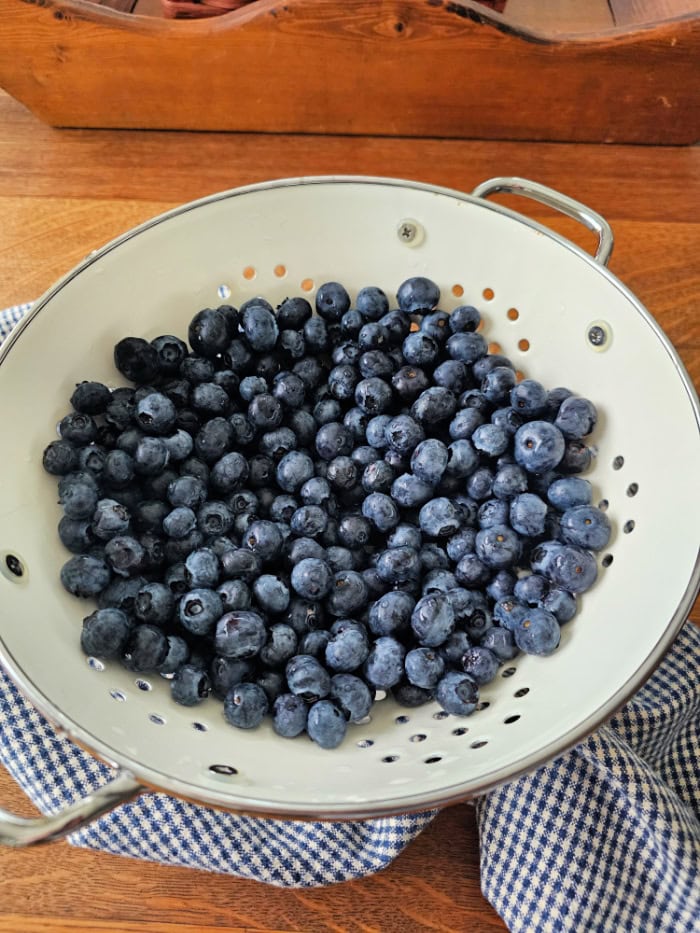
x: 300, y: 510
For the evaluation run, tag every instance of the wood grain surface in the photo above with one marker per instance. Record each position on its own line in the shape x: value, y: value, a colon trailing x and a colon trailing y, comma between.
x: 65, y: 192
x: 390, y: 67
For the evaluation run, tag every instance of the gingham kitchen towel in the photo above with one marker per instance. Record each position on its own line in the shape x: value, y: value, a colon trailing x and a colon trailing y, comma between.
x: 607, y: 838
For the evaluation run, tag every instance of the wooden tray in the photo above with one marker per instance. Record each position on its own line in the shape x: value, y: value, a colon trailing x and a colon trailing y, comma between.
x: 448, y: 68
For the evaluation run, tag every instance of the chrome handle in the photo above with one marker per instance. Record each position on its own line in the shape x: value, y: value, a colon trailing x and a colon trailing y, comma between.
x: 560, y: 202
x: 19, y: 831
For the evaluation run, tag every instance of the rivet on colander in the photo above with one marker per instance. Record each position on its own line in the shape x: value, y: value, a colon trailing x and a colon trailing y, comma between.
x: 227, y: 770
x: 598, y: 335
x: 410, y: 232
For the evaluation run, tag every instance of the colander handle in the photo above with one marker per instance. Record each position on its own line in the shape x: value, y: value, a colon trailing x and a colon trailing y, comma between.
x: 560, y: 202
x: 19, y: 831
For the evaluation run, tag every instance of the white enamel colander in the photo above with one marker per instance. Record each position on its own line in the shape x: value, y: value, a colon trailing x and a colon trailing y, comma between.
x: 560, y: 315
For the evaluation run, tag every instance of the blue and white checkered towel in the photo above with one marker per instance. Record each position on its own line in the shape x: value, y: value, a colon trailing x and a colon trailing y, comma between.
x: 607, y: 838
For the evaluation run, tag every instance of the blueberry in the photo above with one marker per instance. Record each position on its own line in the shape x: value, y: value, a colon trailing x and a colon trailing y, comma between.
x: 527, y: 514
x: 309, y: 370
x: 472, y: 571
x: 188, y: 491
x: 436, y: 325
x: 209, y: 332
x: 490, y: 439
x: 452, y: 375
x: 457, y: 693
x: 312, y: 579
x: 239, y: 634
x: 200, y: 610
x: 433, y: 557
x: 332, y: 301
x: 373, y: 336
x: 170, y: 353
x: 293, y: 313
x: 146, y: 649
x: 435, y: 405
x: 576, y: 417
x: 351, y: 695
x: 271, y: 594
x: 464, y: 423
x: 531, y: 589
x: 180, y: 522
x: 227, y: 673
x: 438, y: 581
x: 577, y: 458
x: 585, y: 526
x: 500, y: 642
x: 462, y: 459
x: 432, y: 620
x: 464, y: 318
x: 418, y: 295
x: 509, y: 612
x: 572, y: 568
x: 334, y: 439
x: 235, y: 594
x: 542, y: 557
x: 289, y: 715
x: 420, y: 349
x: 460, y: 544
x: 307, y: 678
x: 105, y: 633
x: 497, y: 384
x: 309, y: 521
x: 376, y: 431
x: 372, y: 303
x: 136, y: 359
x: 560, y: 603
x: 120, y: 594
x: 79, y: 500
x: 424, y: 667
x: 381, y: 511
x: 398, y: 324
x: 354, y: 531
x: 125, y: 555
x: 554, y: 399
x: 326, y: 724
x: 76, y: 535
x: 407, y: 694
x: 154, y: 603
x: 439, y: 518
x: 537, y: 633
x: 59, y: 458
x: 202, y: 568
x: 378, y: 477
x: 342, y: 473
x: 539, y: 446
x: 245, y: 706
x: 480, y: 663
x: 405, y: 535
x: 569, y: 492
x: 84, y: 575
x: 190, y: 685
x: 498, y: 546
x: 348, y: 593
x: 291, y: 345
x: 78, y: 429
x: 429, y: 461
x: 452, y: 650
x: 264, y: 539
x: 346, y: 651
x: 384, y: 666
x: 373, y: 396
x: 260, y: 327
x: 280, y: 647
x: 91, y: 398
x: 467, y: 347
x: 399, y: 565
x: 510, y: 480
x: 178, y: 653
x: 409, y: 382
x: 265, y: 412
x: 404, y: 434
x: 376, y: 363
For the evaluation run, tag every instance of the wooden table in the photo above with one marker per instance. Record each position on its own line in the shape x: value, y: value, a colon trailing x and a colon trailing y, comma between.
x: 65, y: 192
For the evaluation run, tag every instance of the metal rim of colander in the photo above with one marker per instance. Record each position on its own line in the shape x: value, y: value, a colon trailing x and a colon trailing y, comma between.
x: 455, y: 792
